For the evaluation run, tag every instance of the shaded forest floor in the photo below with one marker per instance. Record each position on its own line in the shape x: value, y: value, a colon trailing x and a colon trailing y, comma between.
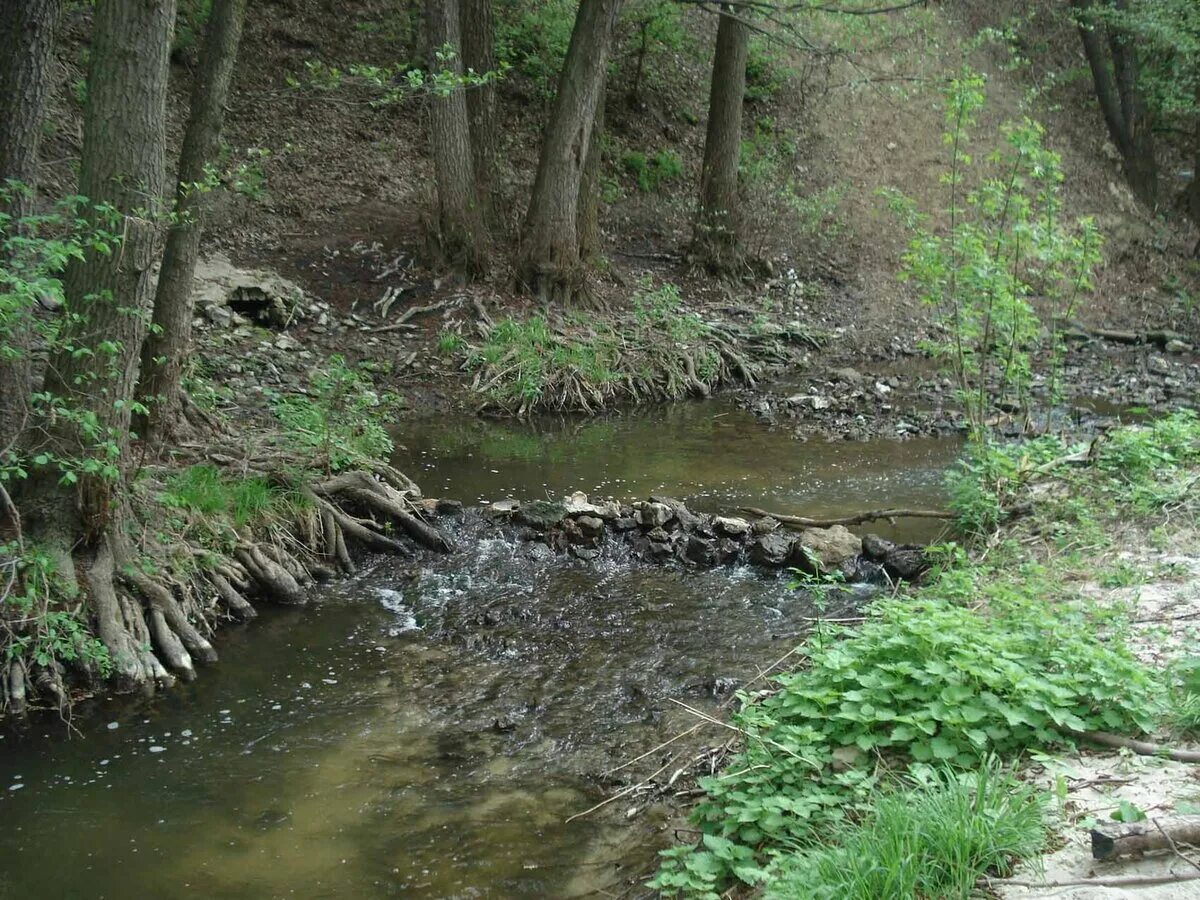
x: 329, y: 191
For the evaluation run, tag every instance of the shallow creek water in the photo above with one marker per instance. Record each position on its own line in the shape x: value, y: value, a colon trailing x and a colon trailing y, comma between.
x: 426, y: 728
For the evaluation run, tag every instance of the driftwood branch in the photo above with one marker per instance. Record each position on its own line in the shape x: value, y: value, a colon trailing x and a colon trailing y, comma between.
x: 1114, y: 839
x: 1145, y: 748
x: 410, y: 313
x: 1123, y: 881
x: 857, y: 519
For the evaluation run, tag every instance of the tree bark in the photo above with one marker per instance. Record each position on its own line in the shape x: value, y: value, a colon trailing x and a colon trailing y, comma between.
x: 1141, y: 166
x: 550, y: 263
x: 1193, y: 193
x: 457, y: 231
x: 168, y: 345
x: 717, y: 238
x: 1121, y: 102
x: 26, y: 43
x: 589, y: 189
x: 94, y: 369
x: 479, y: 56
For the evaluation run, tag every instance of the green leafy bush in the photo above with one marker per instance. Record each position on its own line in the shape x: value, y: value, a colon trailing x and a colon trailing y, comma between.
x: 532, y: 37
x: 651, y: 172
x: 924, y: 681
x: 341, y: 418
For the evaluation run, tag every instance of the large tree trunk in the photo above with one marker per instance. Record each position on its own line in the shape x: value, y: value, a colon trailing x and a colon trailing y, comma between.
x: 479, y: 56
x: 550, y: 264
x: 589, y: 189
x: 26, y: 41
x: 94, y: 369
x: 717, y: 240
x: 168, y: 345
x: 458, y: 228
x: 1121, y: 102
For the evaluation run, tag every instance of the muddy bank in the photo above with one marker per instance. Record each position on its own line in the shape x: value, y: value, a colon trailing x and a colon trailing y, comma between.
x: 1103, y: 381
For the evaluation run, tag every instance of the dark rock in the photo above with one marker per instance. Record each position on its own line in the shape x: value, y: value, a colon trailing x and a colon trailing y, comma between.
x: 654, y: 515
x: 728, y: 551
x: 539, y: 552
x: 906, y: 563
x: 700, y: 551
x: 449, y: 507
x: 771, y: 549
x: 876, y: 548
x: 764, y: 525
x: 585, y: 553
x: 625, y: 523
x: 658, y: 535
x: 590, y: 526
x: 540, y: 514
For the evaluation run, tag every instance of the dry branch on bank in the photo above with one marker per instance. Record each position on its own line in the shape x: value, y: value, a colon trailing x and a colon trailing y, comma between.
x: 1115, y: 839
x: 856, y: 519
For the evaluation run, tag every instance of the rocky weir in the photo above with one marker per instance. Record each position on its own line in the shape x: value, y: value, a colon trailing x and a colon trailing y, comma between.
x: 664, y: 530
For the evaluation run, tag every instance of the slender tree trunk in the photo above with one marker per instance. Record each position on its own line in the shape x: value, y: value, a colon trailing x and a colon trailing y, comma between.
x: 1121, y: 103
x: 479, y: 56
x: 94, y: 371
x: 1141, y: 166
x: 26, y: 42
x: 717, y: 239
x: 550, y: 264
x: 168, y: 345
x: 589, y: 189
x: 1193, y: 194
x: 458, y: 228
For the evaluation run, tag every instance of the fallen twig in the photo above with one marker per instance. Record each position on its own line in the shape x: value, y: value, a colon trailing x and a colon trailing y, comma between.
x: 1123, y: 881
x: 413, y: 311
x: 856, y: 519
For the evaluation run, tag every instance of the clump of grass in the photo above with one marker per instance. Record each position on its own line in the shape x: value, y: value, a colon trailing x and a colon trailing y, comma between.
x: 660, y: 351
x: 205, y: 490
x: 529, y: 366
x: 933, y: 839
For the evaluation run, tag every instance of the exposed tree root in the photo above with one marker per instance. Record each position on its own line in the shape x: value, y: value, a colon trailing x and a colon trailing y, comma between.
x: 155, y: 617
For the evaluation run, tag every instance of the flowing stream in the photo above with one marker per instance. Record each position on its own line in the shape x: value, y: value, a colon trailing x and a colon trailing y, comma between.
x: 426, y: 728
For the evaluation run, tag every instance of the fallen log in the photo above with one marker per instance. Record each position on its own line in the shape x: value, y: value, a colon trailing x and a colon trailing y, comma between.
x: 1144, y: 748
x: 1113, y: 839
x: 856, y: 519
x: 1122, y: 881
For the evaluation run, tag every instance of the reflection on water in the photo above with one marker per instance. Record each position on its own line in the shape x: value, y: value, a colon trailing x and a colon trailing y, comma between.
x: 711, y: 454
x: 427, y: 733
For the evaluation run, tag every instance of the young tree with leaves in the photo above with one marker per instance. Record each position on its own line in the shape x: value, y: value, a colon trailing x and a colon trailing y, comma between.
x: 169, y: 341
x: 550, y: 264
